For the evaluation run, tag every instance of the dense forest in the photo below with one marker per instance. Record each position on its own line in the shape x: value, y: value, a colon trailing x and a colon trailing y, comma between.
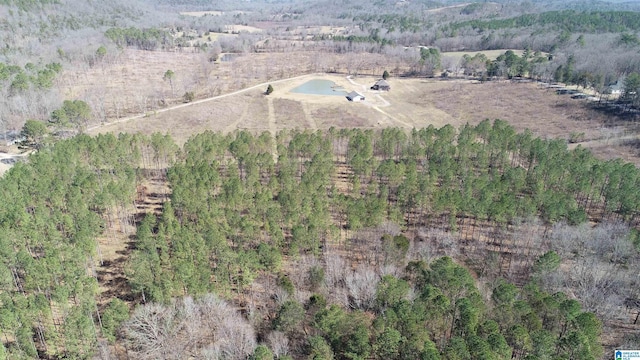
x: 341, y: 245
x: 571, y: 21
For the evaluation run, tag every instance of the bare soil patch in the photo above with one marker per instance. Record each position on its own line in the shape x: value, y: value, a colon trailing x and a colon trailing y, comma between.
x: 9, y: 155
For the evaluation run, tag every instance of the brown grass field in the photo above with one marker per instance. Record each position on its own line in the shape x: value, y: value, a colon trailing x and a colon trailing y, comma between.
x: 411, y: 103
x: 131, y: 82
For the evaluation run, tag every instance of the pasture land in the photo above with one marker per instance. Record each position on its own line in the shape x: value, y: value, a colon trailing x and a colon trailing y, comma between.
x: 131, y: 82
x: 241, y: 28
x: 410, y: 103
x: 201, y: 13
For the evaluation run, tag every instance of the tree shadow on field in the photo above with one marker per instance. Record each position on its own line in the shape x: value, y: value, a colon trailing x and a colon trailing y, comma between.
x: 633, y: 144
x: 616, y: 115
x: 111, y: 276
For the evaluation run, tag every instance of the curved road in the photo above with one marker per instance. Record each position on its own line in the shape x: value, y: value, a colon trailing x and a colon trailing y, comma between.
x: 7, y: 160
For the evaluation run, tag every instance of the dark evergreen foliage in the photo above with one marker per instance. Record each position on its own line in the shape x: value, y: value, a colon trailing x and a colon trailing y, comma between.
x: 568, y: 20
x: 234, y: 212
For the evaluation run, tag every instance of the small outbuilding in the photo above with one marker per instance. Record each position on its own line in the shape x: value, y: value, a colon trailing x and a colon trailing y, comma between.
x: 381, y: 85
x: 615, y: 89
x: 355, y: 96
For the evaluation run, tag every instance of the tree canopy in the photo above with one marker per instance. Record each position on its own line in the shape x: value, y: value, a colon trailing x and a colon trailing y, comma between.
x: 235, y: 215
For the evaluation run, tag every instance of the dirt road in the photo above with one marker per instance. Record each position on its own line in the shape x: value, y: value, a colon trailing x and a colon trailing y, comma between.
x: 7, y: 160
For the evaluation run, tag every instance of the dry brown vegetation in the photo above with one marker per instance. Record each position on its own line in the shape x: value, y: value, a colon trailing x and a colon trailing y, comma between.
x: 411, y: 103
x: 131, y: 82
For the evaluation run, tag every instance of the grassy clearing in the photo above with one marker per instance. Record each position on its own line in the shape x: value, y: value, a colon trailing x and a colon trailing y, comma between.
x: 290, y: 114
x: 201, y: 13
x: 410, y: 103
x: 242, y: 28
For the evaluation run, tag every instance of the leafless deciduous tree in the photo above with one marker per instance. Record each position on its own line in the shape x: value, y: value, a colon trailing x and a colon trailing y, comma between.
x: 334, y: 274
x: 602, y: 270
x: 104, y: 352
x: 152, y: 330
x: 362, y: 284
x: 598, y: 285
x: 279, y: 343
x: 207, y: 327
x: 607, y: 240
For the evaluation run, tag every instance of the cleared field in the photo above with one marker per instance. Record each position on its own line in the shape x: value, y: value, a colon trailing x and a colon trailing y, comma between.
x: 291, y: 114
x: 242, y: 28
x: 201, y: 13
x: 410, y: 103
x: 211, y: 37
x: 131, y: 82
x: 317, y: 30
x: 446, y: 8
x: 250, y: 110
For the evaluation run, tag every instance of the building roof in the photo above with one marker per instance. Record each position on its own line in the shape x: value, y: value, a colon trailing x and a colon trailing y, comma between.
x: 354, y: 94
x: 618, y: 86
x: 382, y: 82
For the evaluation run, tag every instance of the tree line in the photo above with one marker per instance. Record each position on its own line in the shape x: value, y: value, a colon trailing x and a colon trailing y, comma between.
x: 144, y: 39
x: 22, y: 79
x: 566, y: 20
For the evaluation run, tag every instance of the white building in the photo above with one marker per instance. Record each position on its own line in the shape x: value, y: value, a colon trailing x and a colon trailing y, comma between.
x: 355, y: 96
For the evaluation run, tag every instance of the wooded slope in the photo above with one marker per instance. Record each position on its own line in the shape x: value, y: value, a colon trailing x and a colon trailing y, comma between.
x: 336, y: 248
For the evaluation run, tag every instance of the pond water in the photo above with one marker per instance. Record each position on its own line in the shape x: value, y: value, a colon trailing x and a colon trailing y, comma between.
x: 320, y: 87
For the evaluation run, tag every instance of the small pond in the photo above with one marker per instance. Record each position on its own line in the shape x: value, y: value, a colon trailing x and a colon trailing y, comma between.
x: 320, y: 87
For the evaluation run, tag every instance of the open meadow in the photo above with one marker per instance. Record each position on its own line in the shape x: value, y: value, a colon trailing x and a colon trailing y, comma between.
x: 411, y: 103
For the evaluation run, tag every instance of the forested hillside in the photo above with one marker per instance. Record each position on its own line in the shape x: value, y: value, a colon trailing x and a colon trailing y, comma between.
x: 353, y: 244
